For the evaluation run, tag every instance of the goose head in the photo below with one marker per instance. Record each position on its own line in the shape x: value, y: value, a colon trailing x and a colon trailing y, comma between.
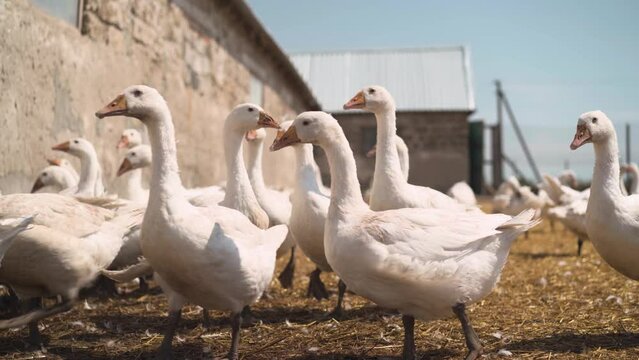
x: 139, y: 101
x: 256, y: 135
x: 130, y: 138
x: 76, y: 147
x: 372, y: 98
x: 51, y: 175
x: 592, y: 127
x: 246, y: 117
x: 313, y: 127
x: 135, y: 158
x: 59, y: 162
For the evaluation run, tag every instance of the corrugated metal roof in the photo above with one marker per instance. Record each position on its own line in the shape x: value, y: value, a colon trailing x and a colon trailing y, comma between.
x: 421, y: 79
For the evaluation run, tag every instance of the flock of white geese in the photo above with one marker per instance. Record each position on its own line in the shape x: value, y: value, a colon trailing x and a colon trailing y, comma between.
x: 410, y: 248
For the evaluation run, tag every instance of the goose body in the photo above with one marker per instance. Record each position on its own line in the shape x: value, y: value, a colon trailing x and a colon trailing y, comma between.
x: 426, y: 263
x: 214, y: 257
x: 390, y: 189
x: 612, y: 220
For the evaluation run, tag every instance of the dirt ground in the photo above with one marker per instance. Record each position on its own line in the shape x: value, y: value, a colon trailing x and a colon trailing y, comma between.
x: 549, y: 304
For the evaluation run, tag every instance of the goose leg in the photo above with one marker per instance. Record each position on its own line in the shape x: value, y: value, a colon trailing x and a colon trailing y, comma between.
x: 144, y: 286
x: 248, y: 317
x: 236, y: 325
x: 580, y: 243
x: 409, y: 337
x: 472, y: 340
x: 286, y: 276
x: 316, y: 287
x: 35, y: 339
x: 206, y: 318
x: 338, y: 312
x: 165, y: 348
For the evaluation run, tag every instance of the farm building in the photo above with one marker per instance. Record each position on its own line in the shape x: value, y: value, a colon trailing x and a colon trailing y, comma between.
x: 433, y: 91
x: 63, y: 60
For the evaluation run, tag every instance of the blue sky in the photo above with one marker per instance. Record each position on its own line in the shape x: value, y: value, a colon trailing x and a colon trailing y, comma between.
x: 556, y: 59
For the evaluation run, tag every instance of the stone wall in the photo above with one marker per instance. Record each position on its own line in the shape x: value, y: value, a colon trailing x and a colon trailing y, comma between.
x: 437, y: 143
x: 54, y: 77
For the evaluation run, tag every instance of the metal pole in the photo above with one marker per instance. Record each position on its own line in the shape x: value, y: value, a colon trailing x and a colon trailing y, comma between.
x: 627, y: 143
x: 498, y: 176
x: 522, y: 141
x: 495, y: 140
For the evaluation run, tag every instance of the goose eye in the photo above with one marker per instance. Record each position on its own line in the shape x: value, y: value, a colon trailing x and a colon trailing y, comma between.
x: 594, y: 120
x: 132, y: 154
x: 305, y: 122
x: 250, y: 109
x: 137, y: 93
x: 371, y: 91
x: 44, y: 174
x: 76, y: 142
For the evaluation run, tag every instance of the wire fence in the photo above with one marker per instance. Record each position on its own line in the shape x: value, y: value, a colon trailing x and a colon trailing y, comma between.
x: 550, y: 147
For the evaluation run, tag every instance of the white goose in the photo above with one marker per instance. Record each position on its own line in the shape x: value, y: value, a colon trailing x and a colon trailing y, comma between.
x: 130, y: 138
x: 213, y: 257
x: 63, y: 251
x: 573, y: 217
x: 275, y: 203
x: 135, y: 159
x: 90, y: 184
x: 390, y: 189
x: 67, y: 165
x: 310, y: 208
x: 54, y: 179
x: 426, y: 263
x: 612, y: 220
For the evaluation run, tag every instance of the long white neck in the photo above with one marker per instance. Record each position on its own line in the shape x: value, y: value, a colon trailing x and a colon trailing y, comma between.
x: 165, y: 173
x: 133, y: 187
x: 239, y: 193
x: 634, y: 180
x: 254, y: 162
x: 346, y: 195
x: 387, y: 164
x: 90, y: 174
x: 605, y: 178
x: 306, y: 169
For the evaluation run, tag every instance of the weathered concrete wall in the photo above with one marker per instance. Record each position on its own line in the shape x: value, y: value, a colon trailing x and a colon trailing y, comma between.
x: 437, y: 143
x: 53, y: 79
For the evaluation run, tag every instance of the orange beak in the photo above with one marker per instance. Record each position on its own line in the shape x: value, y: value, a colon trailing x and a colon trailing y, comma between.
x: 123, y: 143
x: 357, y: 102
x: 124, y: 167
x: 54, y: 162
x: 582, y: 136
x: 250, y: 135
x: 265, y: 120
x: 116, y: 107
x: 284, y: 139
x: 62, y: 147
x: 37, y: 186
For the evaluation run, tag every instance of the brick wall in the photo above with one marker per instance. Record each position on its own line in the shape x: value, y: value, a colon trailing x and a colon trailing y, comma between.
x: 54, y: 77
